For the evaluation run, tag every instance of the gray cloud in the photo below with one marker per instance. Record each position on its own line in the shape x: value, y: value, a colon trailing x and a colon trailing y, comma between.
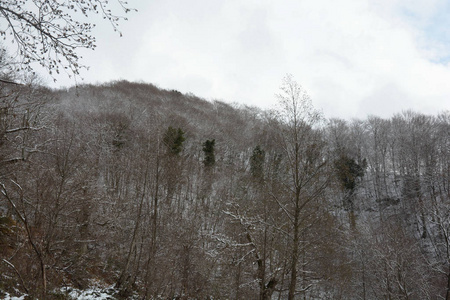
x: 354, y: 57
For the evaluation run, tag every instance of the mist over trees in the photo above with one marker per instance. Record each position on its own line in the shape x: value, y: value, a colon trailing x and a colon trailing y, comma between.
x: 155, y: 193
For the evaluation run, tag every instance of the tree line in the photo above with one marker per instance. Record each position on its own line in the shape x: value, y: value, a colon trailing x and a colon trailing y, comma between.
x: 160, y: 194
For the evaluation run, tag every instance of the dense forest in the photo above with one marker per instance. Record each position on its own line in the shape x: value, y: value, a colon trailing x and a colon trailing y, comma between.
x: 154, y: 194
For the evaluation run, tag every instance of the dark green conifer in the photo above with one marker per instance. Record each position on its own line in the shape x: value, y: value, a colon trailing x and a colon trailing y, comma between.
x: 257, y: 163
x: 173, y: 139
x: 348, y: 171
x: 208, y: 150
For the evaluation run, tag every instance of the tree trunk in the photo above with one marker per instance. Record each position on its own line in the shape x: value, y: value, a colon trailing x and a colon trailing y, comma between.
x: 295, y: 254
x: 447, y: 296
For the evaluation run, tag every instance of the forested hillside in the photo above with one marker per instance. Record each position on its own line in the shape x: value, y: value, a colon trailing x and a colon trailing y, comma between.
x: 156, y: 194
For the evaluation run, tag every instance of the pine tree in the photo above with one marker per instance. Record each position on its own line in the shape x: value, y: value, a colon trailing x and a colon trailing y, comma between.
x: 174, y: 139
x: 348, y: 172
x: 208, y: 150
x: 257, y: 163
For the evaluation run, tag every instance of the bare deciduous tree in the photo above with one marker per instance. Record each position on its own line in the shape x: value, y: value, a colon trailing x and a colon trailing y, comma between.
x: 303, y: 147
x: 50, y: 32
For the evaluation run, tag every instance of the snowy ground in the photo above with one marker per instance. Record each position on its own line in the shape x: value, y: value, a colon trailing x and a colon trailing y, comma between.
x: 96, y: 293
x: 9, y: 297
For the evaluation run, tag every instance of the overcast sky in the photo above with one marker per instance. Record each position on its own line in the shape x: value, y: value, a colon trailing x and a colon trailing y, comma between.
x: 354, y: 57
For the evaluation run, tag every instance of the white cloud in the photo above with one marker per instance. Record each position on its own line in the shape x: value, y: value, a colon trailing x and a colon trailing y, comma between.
x: 355, y: 57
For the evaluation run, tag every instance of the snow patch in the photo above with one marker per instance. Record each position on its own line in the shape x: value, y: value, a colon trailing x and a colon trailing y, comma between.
x: 95, y: 293
x: 9, y: 297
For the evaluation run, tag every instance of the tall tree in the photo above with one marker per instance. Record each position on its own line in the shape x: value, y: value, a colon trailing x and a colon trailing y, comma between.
x: 303, y: 147
x: 257, y: 163
x: 348, y: 173
x: 209, y: 153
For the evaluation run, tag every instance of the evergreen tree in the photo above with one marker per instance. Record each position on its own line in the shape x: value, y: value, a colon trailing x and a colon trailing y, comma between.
x: 173, y: 139
x: 257, y: 163
x: 348, y: 171
x: 208, y: 150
